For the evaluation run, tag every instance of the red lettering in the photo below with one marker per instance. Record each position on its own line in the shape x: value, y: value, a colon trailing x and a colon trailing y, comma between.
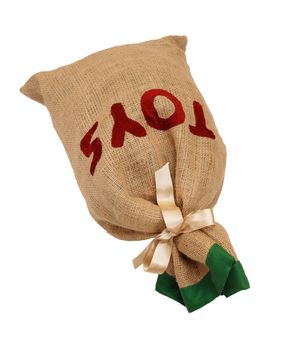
x: 95, y: 147
x: 123, y: 124
x: 200, y: 128
x: 151, y: 115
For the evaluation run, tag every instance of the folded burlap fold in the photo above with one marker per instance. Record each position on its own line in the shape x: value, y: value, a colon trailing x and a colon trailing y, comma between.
x: 122, y: 114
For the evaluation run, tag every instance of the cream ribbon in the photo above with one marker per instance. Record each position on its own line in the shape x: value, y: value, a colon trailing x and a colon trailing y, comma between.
x: 156, y: 256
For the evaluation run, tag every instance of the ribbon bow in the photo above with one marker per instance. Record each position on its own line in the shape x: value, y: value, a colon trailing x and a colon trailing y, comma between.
x: 156, y: 256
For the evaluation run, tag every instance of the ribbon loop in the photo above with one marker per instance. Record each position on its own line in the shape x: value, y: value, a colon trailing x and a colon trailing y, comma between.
x: 156, y: 256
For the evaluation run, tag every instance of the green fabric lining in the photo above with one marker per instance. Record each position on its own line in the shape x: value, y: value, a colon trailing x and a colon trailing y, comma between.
x: 220, y: 263
x: 236, y: 281
x: 199, y: 294
x: 168, y: 286
x: 225, y: 277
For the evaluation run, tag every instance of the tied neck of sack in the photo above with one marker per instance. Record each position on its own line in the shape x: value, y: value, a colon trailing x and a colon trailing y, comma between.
x: 156, y: 256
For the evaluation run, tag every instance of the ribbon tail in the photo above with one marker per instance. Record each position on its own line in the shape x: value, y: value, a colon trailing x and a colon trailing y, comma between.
x: 155, y: 257
x: 141, y: 257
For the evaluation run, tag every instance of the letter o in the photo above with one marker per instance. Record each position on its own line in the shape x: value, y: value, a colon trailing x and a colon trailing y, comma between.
x: 150, y: 112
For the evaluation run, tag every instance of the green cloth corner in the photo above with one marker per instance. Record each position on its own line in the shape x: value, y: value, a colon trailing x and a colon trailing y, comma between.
x: 225, y: 277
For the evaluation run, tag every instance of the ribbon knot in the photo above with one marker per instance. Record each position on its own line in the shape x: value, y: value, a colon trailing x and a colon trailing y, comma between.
x: 156, y: 256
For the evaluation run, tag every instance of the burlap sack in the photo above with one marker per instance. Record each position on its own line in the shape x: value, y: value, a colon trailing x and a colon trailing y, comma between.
x: 121, y: 114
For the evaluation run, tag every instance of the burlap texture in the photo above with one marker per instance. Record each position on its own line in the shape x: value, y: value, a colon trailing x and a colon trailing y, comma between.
x: 121, y: 194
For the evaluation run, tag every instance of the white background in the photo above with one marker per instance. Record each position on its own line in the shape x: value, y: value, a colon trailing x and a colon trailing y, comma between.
x: 57, y: 290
